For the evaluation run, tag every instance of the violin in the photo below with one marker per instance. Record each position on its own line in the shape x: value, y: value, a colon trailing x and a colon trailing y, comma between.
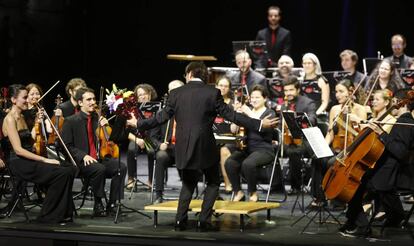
x: 40, y: 142
x: 342, y: 180
x: 287, y: 136
x: 106, y: 148
x: 241, y: 135
x: 57, y: 121
x: 347, y: 131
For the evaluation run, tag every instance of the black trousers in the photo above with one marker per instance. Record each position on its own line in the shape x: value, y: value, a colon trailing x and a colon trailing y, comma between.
x: 164, y: 159
x: 132, y: 153
x: 295, y: 154
x: 242, y: 163
x: 58, y: 181
x: 96, y: 173
x: 389, y: 200
x: 190, y: 179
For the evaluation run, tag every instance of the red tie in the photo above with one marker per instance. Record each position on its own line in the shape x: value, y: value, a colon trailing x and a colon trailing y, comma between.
x: 243, y: 80
x: 292, y: 107
x: 173, y: 132
x: 91, y: 139
x: 273, y: 37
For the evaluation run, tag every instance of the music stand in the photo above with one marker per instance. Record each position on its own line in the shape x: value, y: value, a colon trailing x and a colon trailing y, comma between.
x: 295, y: 121
x: 320, y: 150
x: 120, y: 136
x: 369, y: 64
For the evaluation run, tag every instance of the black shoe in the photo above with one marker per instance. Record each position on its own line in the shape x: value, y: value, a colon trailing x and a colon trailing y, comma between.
x: 180, y: 225
x: 205, y: 226
x: 347, y: 227
x: 359, y: 231
x: 99, y: 210
x: 66, y: 221
x: 159, y: 199
x: 292, y: 191
x: 111, y: 209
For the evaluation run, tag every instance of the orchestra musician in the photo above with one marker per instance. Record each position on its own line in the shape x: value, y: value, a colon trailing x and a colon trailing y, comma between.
x: 345, y: 111
x: 379, y: 182
x: 222, y: 126
x: 165, y: 155
x: 258, y: 151
x: 384, y: 76
x: 275, y: 85
x: 349, y: 61
x: 79, y: 134
x: 70, y: 106
x: 57, y: 206
x: 194, y: 106
x: 398, y: 57
x: 246, y: 76
x: 144, y: 93
x: 296, y: 103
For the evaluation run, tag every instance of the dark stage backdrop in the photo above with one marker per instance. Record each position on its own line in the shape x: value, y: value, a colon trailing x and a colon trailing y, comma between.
x: 126, y: 42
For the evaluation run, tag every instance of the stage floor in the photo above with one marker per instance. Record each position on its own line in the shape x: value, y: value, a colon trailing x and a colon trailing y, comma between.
x: 136, y: 229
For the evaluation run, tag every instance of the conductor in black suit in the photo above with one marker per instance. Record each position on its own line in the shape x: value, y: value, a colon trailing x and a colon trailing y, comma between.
x: 278, y: 39
x: 195, y: 106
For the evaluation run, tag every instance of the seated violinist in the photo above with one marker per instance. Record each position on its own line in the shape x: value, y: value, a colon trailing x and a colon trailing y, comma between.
x: 258, y: 150
x: 294, y: 150
x: 71, y: 106
x: 57, y: 206
x: 79, y: 134
x: 380, y: 181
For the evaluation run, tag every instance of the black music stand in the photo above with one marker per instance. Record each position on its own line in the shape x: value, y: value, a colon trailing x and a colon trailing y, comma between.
x: 320, y: 150
x: 120, y: 137
x: 295, y: 121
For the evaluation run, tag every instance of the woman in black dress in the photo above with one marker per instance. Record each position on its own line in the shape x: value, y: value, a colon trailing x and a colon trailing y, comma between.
x: 57, y: 206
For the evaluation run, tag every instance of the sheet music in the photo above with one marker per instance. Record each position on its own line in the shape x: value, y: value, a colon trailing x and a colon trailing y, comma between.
x: 317, y: 142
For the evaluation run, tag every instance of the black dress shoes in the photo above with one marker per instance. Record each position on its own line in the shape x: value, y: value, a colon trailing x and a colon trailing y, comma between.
x: 158, y: 199
x: 111, y: 209
x: 205, y: 227
x: 99, y: 210
x: 180, y: 225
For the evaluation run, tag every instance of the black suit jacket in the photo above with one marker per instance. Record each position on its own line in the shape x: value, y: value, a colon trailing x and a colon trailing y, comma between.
x: 306, y: 105
x: 195, y: 106
x: 282, y: 46
x: 75, y: 134
x: 67, y: 108
x: 252, y: 78
x: 394, y: 162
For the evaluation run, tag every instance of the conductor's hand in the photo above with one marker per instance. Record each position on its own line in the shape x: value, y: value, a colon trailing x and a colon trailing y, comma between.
x: 132, y: 122
x: 2, y: 165
x: 268, y: 122
x: 89, y: 160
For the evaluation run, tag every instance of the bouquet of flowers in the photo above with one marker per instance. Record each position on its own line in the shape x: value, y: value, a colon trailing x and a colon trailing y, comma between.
x: 123, y: 102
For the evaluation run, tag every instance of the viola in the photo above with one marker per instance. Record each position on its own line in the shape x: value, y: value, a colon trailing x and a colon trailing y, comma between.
x: 107, y: 148
x: 57, y: 121
x: 343, y: 178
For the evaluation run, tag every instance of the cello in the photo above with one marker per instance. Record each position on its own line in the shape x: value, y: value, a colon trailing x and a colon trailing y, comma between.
x: 343, y: 178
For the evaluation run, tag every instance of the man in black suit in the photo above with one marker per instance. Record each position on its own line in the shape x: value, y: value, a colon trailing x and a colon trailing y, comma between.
x: 296, y: 103
x: 78, y: 133
x: 195, y: 106
x: 398, y: 57
x: 277, y: 38
x: 70, y: 106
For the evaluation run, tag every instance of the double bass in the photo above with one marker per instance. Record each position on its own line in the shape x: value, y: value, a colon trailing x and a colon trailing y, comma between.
x: 343, y: 178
